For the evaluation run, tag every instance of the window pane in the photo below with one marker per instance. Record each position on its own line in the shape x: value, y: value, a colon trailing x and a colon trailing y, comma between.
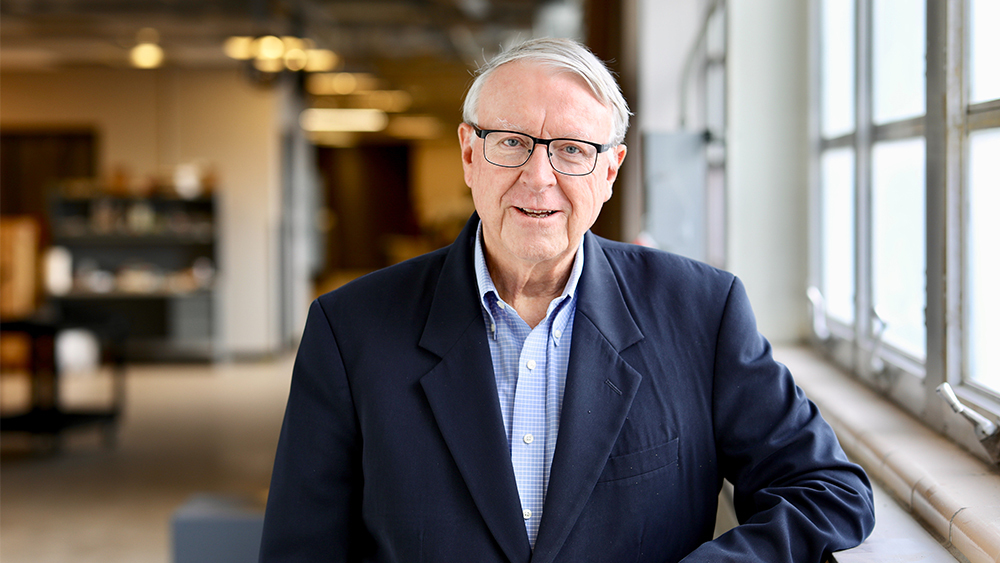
x: 984, y: 21
x: 837, y: 169
x: 898, y: 255
x: 982, y: 266
x: 899, y: 45
x: 837, y: 47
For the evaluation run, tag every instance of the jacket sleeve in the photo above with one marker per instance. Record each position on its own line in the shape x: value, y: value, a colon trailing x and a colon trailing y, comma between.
x: 314, y: 503
x: 797, y: 496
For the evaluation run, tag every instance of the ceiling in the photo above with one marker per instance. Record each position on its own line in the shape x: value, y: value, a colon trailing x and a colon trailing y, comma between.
x: 426, y: 47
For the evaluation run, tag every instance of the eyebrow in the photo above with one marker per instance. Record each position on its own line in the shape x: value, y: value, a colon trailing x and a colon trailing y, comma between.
x: 508, y: 126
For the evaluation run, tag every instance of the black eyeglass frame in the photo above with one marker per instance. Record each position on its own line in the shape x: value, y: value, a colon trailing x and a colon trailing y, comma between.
x: 482, y: 133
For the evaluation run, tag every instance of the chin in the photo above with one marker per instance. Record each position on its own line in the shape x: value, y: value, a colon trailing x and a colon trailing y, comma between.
x: 540, y: 251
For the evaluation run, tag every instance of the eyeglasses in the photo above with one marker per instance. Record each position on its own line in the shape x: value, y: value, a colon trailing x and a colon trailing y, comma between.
x: 510, y: 149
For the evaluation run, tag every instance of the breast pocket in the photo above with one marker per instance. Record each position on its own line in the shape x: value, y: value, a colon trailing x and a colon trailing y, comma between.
x: 639, y: 463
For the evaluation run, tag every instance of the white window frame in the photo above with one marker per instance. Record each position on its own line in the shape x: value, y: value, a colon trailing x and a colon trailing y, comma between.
x: 946, y: 125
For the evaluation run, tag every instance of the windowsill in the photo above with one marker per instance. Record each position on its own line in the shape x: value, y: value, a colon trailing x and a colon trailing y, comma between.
x: 950, y: 492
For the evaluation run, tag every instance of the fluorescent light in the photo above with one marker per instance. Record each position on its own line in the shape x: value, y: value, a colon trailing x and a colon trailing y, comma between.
x: 321, y: 60
x: 335, y: 119
x: 296, y: 59
x: 340, y: 83
x: 269, y: 65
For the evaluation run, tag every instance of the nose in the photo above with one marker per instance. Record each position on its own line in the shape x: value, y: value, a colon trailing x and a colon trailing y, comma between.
x: 538, y: 171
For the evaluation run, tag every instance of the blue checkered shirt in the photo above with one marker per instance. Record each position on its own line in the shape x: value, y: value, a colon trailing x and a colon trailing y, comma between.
x: 530, y: 368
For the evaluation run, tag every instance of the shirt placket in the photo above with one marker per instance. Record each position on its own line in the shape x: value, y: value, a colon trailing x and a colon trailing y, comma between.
x: 528, y: 439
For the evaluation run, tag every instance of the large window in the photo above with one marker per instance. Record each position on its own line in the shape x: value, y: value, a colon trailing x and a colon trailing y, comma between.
x: 907, y: 197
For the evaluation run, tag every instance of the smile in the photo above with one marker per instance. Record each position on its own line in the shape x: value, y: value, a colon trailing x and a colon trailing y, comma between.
x: 536, y: 213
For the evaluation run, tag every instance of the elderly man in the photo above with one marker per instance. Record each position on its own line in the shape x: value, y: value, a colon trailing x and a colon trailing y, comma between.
x: 536, y: 393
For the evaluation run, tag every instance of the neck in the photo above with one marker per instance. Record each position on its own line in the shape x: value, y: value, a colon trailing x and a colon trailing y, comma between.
x: 529, y: 288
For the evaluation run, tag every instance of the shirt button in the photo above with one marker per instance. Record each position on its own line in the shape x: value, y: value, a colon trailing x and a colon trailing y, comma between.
x: 531, y: 364
x: 557, y: 333
x: 528, y: 438
x: 501, y: 305
x: 527, y: 514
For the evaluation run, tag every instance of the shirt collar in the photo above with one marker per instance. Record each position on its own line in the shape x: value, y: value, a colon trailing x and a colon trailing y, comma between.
x: 485, y: 282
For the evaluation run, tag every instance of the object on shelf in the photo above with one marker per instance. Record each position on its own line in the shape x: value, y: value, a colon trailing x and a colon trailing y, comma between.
x: 139, y: 278
x: 58, y: 270
x: 203, y: 272
x: 115, y: 216
x: 144, y: 262
x: 140, y: 218
x: 200, y: 276
x: 91, y: 278
x: 187, y: 180
x: 105, y: 217
x: 78, y: 352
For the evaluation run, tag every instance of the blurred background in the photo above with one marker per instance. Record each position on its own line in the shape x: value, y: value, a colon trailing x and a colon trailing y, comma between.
x: 180, y: 178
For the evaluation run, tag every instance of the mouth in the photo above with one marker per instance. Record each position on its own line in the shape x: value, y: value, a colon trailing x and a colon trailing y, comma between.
x: 535, y: 213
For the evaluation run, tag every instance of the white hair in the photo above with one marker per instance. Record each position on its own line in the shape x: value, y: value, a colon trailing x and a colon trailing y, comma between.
x: 562, y: 54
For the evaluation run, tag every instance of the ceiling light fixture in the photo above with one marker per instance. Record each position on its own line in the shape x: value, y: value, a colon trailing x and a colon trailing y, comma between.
x: 268, y: 47
x: 340, y: 83
x: 321, y: 60
x: 238, y: 47
x: 270, y: 53
x: 147, y: 53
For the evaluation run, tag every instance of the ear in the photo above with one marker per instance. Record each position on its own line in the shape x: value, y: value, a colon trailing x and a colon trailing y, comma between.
x: 615, y: 158
x: 466, y: 136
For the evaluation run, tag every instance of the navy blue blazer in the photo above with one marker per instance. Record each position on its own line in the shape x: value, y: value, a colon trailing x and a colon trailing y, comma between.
x: 393, y: 447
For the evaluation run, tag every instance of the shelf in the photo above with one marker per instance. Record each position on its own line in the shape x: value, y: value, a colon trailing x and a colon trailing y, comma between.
x: 153, y: 198
x: 125, y: 239
x: 93, y: 295
x: 151, y: 258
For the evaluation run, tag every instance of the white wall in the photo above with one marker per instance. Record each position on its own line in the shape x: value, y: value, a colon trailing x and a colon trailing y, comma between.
x: 149, y: 121
x: 767, y: 139
x: 767, y: 171
x: 667, y: 31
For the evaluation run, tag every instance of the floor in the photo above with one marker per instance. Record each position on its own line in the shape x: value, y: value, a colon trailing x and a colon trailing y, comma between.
x: 187, y: 429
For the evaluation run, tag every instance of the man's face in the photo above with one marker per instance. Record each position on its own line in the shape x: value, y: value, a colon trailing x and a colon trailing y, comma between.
x: 532, y: 215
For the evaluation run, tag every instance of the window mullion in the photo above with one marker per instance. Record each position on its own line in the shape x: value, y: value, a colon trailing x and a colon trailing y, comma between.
x: 944, y: 137
x: 863, y: 343
x: 816, y: 145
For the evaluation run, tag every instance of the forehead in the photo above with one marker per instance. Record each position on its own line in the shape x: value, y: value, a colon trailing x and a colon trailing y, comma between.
x: 537, y: 98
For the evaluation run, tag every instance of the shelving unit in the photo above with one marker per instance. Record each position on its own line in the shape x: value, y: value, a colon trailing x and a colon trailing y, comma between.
x: 145, y: 263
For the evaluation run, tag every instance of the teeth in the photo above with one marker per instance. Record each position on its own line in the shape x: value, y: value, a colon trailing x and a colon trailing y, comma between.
x: 539, y: 213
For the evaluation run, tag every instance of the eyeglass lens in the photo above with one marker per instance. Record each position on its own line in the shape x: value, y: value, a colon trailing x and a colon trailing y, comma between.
x: 567, y: 156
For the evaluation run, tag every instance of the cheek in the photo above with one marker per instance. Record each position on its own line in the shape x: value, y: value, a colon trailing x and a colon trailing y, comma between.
x: 485, y: 198
x: 599, y: 194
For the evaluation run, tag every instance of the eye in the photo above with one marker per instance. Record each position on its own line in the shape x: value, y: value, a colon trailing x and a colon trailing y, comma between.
x: 511, y: 142
x: 572, y: 149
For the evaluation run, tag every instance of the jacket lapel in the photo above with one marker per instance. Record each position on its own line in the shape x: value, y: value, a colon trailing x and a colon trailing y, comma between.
x: 600, y: 387
x: 462, y: 394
